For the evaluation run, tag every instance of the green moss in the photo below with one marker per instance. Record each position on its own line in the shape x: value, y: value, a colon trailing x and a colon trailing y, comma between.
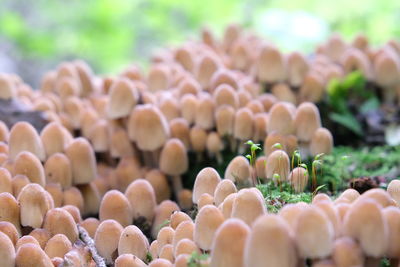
x: 277, y: 196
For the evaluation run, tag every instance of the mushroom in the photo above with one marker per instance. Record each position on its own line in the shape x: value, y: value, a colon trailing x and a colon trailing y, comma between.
x: 58, y: 246
x: 116, y: 206
x: 107, y: 238
x: 206, y: 182
x: 23, y: 137
x: 174, y: 162
x: 32, y: 255
x: 208, y: 219
x: 248, y: 205
x: 60, y: 221
x: 133, y: 241
x: 128, y: 260
x: 123, y: 96
x: 141, y: 197
x: 270, y: 241
x: 232, y: 231
x: 83, y: 161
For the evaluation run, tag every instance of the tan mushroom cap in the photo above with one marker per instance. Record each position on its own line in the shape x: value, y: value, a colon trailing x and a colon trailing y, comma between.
x: 298, y: 67
x: 5, y: 181
x: 347, y: 253
x: 270, y: 241
x: 58, y: 246
x: 314, y: 234
x: 243, y: 124
x: 206, y: 182
x: 26, y: 163
x: 133, y: 241
x: 32, y: 255
x: 148, y: 127
x: 107, y: 238
x: 7, y: 251
x: 123, y: 96
x: 162, y: 213
x: 159, y: 182
x: 366, y: 224
x: 34, y: 203
x: 173, y: 159
x: 321, y: 142
x: 188, y: 105
x: 83, y: 161
x: 224, y: 188
x: 248, y: 205
x: 270, y: 65
x: 204, y: 114
x: 238, y: 170
x: 299, y: 179
x: 55, y: 138
x: 142, y: 199
x: 128, y: 260
x: 306, y: 121
x: 23, y: 137
x: 224, y: 118
x: 60, y: 221
x: 116, y: 206
x: 232, y: 231
x: 208, y: 219
x: 278, y: 163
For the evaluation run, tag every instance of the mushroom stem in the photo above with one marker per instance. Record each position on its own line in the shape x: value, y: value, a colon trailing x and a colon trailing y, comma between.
x: 372, y: 262
x: 156, y: 157
x: 394, y: 262
x: 219, y: 158
x: 147, y: 158
x: 177, y: 185
x: 232, y: 143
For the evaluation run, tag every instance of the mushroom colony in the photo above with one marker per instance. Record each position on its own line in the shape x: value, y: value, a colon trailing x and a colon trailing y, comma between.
x: 102, y: 181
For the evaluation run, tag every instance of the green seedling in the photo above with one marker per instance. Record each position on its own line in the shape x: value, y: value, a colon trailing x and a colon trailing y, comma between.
x: 149, y: 257
x: 315, y: 192
x: 163, y: 224
x: 277, y: 145
x: 317, y: 163
x: 196, y: 259
x: 252, y: 158
x: 296, y: 155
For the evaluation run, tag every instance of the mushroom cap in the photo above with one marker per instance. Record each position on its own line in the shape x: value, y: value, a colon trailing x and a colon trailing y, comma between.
x: 173, y: 158
x: 232, y: 231
x: 270, y: 241
x: 159, y: 182
x: 26, y: 163
x: 366, y: 224
x: 7, y: 251
x: 224, y: 118
x: 248, y: 205
x: 83, y: 161
x: 116, y: 206
x: 204, y: 114
x: 278, y: 163
x: 107, y: 238
x: 347, y: 252
x: 128, y: 260
x: 243, y: 124
x: 208, y: 219
x: 123, y: 96
x: 54, y: 138
x: 206, y: 182
x: 314, y: 234
x: 298, y: 178
x: 224, y: 188
x: 23, y: 137
x: 321, y: 142
x: 270, y: 65
x: 133, y: 241
x: 162, y: 213
x: 298, y: 67
x: 58, y: 246
x: 306, y: 121
x: 280, y: 119
x: 224, y: 94
x: 60, y: 221
x: 58, y: 170
x: 238, y: 170
x: 148, y: 127
x: 32, y: 255
x: 142, y: 199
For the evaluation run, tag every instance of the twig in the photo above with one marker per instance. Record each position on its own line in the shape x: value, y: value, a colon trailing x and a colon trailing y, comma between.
x: 84, y: 236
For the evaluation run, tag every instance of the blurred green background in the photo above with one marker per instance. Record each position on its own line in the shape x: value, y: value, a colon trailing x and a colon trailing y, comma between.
x: 36, y: 35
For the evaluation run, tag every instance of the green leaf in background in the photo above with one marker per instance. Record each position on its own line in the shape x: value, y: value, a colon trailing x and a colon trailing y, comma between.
x: 348, y: 121
x: 353, y: 80
x: 370, y: 104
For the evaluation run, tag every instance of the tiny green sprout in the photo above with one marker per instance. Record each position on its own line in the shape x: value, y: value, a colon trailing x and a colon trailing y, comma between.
x: 149, y: 257
x: 255, y: 147
x: 296, y: 154
x: 249, y: 142
x: 276, y: 176
x: 345, y: 157
x: 277, y: 145
x: 315, y: 192
x: 303, y: 165
x: 319, y: 156
x: 196, y: 259
x: 164, y: 223
x: 248, y: 156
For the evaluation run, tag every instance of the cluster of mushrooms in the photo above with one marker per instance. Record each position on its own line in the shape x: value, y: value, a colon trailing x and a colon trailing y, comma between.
x: 101, y: 183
